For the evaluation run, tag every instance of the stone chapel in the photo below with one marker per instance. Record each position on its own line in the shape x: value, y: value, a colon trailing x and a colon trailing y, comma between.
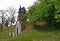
x: 20, y: 20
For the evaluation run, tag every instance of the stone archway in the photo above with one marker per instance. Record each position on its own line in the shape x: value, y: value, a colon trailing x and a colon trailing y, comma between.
x: 18, y: 28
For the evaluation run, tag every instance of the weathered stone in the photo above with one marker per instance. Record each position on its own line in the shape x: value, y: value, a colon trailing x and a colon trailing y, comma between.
x: 10, y: 34
x: 13, y: 34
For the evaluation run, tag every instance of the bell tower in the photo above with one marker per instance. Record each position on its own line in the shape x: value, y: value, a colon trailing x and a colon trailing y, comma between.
x: 20, y: 20
x: 21, y: 12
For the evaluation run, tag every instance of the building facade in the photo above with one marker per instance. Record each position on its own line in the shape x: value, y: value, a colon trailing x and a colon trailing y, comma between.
x: 20, y: 20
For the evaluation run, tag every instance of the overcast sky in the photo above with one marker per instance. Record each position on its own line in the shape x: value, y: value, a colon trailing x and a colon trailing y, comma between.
x: 4, y: 4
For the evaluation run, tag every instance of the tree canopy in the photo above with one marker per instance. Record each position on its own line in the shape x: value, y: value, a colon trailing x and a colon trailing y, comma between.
x: 44, y: 10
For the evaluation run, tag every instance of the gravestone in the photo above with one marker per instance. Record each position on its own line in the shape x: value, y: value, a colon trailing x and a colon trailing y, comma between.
x: 10, y: 34
x: 13, y: 34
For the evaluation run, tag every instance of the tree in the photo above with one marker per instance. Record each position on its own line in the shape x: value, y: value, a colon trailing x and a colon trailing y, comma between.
x: 2, y: 12
x: 46, y: 10
x: 11, y: 12
x: 6, y: 23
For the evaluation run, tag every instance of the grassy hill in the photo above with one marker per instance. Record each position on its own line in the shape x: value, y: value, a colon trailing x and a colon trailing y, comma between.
x: 32, y: 34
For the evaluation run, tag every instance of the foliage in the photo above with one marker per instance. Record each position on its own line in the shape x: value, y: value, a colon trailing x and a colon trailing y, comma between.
x: 45, y: 10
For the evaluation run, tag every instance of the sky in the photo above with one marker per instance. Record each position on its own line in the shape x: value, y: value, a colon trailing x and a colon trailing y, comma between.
x: 4, y: 4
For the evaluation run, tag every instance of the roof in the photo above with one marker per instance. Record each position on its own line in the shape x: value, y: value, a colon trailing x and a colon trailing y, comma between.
x: 22, y: 10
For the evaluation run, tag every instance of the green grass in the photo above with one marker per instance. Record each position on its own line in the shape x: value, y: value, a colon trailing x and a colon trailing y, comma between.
x: 4, y: 35
x: 33, y: 34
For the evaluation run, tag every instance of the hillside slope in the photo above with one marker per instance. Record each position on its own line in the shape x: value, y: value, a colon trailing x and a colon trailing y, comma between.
x: 33, y: 34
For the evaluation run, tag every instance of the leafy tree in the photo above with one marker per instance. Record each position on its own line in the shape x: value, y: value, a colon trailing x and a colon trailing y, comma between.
x: 46, y: 10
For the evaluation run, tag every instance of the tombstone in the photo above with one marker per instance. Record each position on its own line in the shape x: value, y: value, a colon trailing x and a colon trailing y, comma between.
x: 13, y: 34
x: 10, y: 34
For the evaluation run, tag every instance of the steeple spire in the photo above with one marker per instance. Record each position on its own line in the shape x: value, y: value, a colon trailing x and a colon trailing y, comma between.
x: 19, y: 9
